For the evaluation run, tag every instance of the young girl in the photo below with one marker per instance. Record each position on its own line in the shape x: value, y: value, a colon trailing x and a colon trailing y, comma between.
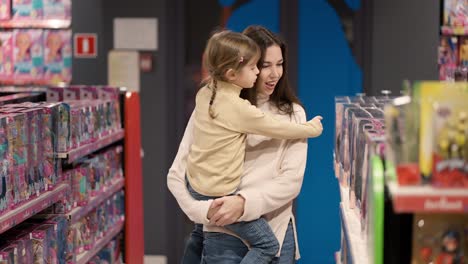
x: 221, y: 121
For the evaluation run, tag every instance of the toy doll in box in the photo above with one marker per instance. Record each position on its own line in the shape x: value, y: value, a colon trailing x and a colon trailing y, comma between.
x: 57, y: 56
x: 447, y: 57
x: 6, y: 55
x: 27, y: 9
x: 5, y: 9
x: 70, y: 245
x: 80, y: 185
x: 28, y: 54
x: 359, y: 119
x: 443, y: 133
x: 57, y: 9
x: 438, y: 238
x: 7, y: 255
x: 40, y: 240
x: 402, y: 126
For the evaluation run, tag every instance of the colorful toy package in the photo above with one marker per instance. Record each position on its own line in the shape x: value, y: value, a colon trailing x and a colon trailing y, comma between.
x: 28, y: 54
x: 455, y: 13
x: 27, y: 9
x: 6, y: 55
x: 57, y: 9
x: 444, y: 131
x: 57, y: 56
x: 5, y: 9
x: 447, y: 57
x: 439, y: 238
x: 402, y: 129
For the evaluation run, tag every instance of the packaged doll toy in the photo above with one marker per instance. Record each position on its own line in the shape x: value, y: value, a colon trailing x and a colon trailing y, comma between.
x: 443, y: 133
x: 6, y: 55
x: 439, y: 239
x: 57, y: 56
x: 27, y: 54
x: 402, y: 129
x: 57, y: 9
x: 5, y: 9
x: 447, y: 57
x: 27, y: 9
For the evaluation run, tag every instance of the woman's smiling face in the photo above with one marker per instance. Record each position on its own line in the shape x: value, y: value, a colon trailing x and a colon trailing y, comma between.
x: 271, y: 70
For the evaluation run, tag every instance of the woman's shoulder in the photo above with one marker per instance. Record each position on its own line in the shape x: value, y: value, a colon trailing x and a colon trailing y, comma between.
x: 299, y: 113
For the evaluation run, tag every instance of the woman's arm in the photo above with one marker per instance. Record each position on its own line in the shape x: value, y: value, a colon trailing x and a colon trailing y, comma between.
x: 283, y: 188
x: 194, y: 209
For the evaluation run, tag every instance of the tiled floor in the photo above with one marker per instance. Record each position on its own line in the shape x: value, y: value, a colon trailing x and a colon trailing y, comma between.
x: 155, y: 259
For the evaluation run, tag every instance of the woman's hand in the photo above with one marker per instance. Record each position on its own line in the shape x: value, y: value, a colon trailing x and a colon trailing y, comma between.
x: 226, y: 210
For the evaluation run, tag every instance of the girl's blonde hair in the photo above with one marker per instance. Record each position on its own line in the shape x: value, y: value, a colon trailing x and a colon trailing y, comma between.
x: 226, y: 50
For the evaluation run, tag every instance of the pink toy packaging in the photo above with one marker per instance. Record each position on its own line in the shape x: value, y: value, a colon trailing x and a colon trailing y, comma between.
x: 27, y: 9
x: 455, y: 13
x: 447, y: 57
x: 5, y: 9
x: 57, y: 9
x: 27, y: 54
x: 7, y: 255
x: 6, y: 185
x: 6, y: 55
x: 40, y: 245
x: 80, y: 186
x: 57, y: 56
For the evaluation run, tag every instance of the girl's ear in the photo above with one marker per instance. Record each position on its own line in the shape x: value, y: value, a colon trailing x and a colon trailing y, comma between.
x: 230, y: 75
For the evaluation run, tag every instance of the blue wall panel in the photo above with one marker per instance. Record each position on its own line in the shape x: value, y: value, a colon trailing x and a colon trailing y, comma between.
x: 257, y: 12
x: 326, y: 69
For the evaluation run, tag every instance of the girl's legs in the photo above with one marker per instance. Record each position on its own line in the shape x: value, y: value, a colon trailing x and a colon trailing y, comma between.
x: 224, y: 248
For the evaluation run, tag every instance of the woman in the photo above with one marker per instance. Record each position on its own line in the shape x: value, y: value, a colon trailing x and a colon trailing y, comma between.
x: 273, y: 171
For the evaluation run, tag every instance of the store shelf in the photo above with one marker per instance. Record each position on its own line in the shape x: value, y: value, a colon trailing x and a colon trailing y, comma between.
x: 352, y: 232
x: 46, y: 23
x: 87, y: 255
x: 462, y: 31
x: 23, y: 212
x: 427, y: 199
x: 78, y: 213
x: 87, y: 149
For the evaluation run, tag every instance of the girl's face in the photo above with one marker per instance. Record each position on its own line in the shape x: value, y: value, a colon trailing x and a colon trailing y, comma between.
x: 54, y: 42
x: 271, y: 70
x: 247, y: 75
x: 23, y: 41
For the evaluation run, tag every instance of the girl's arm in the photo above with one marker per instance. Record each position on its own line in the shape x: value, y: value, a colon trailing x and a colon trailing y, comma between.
x: 246, y: 118
x: 195, y: 210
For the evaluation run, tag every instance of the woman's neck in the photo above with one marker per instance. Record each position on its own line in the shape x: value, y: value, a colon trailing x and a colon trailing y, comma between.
x: 262, y: 98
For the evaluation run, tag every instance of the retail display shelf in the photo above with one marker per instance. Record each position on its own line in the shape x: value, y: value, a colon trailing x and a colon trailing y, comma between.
x: 427, y: 199
x: 462, y: 30
x: 87, y: 255
x: 87, y: 149
x: 45, y: 23
x: 23, y: 212
x: 78, y: 213
x: 352, y: 231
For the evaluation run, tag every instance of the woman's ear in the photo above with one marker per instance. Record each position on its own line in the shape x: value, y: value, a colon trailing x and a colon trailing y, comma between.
x: 230, y: 75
